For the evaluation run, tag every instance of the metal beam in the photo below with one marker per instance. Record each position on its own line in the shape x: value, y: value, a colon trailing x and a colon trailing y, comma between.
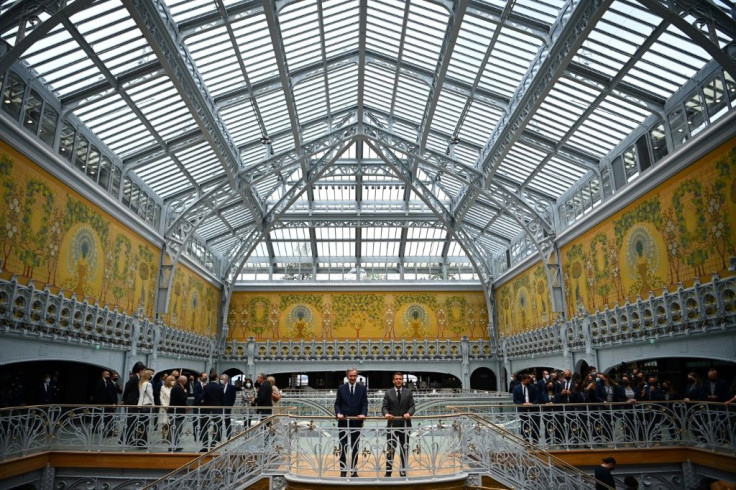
x: 574, y: 23
x: 448, y: 46
x: 277, y: 42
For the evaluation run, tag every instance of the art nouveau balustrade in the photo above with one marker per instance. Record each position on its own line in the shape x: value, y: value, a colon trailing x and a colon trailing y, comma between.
x: 308, y: 450
x: 337, y: 350
x: 699, y: 309
x: 29, y: 430
x: 617, y: 425
x: 40, y: 313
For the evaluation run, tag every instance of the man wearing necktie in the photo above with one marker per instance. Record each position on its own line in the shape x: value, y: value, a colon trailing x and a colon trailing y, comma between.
x: 351, y: 409
x: 397, y: 409
x: 525, y: 396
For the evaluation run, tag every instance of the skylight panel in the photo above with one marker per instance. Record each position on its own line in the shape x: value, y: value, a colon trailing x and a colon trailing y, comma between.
x: 273, y: 111
x: 448, y: 111
x: 545, y: 11
x: 472, y: 43
x: 411, y: 98
x: 343, y: 86
x: 378, y: 83
x: 479, y: 123
x: 183, y: 10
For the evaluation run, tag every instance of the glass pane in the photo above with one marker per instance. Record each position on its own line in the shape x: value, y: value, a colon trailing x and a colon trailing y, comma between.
x: 32, y: 113
x: 13, y: 95
x: 66, y: 141
x: 659, y: 142
x: 715, y: 98
x: 695, y: 113
x: 127, y: 188
x: 117, y: 174
x: 678, y: 128
x: 93, y: 163
x: 48, y: 125
x: 80, y: 159
x: 630, y: 166
x: 105, y: 165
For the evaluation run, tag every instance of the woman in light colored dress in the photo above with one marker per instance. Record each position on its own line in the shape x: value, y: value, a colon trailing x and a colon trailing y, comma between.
x: 275, y: 394
x: 145, y: 404
x: 163, y: 412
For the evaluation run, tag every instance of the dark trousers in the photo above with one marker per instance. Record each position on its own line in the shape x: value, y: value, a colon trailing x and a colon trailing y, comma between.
x: 398, y: 435
x: 349, y: 429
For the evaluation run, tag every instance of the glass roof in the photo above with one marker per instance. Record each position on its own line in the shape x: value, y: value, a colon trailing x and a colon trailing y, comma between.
x: 362, y: 139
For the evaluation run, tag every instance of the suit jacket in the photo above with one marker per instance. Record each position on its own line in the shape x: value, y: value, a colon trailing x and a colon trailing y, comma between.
x: 212, y: 395
x: 695, y: 392
x: 263, y: 397
x: 102, y: 394
x: 198, y: 392
x: 392, y: 405
x: 519, y: 393
x: 229, y: 395
x: 178, y: 398
x: 351, y: 406
x: 131, y: 392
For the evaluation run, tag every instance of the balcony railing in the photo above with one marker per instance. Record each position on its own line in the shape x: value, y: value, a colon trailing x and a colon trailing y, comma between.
x: 43, y: 314
x: 700, y: 309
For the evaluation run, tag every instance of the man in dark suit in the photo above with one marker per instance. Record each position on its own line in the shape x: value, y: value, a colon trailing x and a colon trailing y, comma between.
x: 198, y: 392
x: 178, y: 403
x: 212, y: 396
x: 104, y: 398
x: 351, y: 408
x: 131, y: 394
x: 228, y: 392
x: 263, y: 400
x: 525, y: 396
x: 397, y: 409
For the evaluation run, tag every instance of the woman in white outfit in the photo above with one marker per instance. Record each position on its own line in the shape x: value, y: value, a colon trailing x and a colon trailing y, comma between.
x: 145, y: 404
x: 163, y: 412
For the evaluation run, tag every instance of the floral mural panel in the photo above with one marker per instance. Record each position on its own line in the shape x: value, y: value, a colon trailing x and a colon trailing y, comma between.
x: 682, y: 231
x: 523, y: 303
x: 194, y: 303
x: 61, y: 240
x: 357, y: 315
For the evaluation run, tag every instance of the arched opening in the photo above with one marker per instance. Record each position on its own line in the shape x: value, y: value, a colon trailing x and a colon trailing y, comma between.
x: 69, y: 382
x: 483, y: 379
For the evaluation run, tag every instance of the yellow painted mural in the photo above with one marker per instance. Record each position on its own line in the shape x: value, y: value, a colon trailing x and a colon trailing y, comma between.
x: 683, y: 230
x: 58, y: 238
x: 194, y: 303
x: 358, y: 315
x: 524, y: 303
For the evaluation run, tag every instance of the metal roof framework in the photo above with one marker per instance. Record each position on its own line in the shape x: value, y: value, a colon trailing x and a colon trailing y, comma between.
x: 366, y: 137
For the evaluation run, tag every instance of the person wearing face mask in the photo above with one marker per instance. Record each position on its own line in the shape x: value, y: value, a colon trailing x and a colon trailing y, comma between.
x: 694, y: 392
x: 247, y: 396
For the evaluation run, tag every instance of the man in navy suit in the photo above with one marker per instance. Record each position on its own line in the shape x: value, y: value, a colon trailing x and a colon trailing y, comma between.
x: 525, y: 396
x: 212, y: 396
x: 228, y: 391
x: 351, y: 408
x: 397, y: 409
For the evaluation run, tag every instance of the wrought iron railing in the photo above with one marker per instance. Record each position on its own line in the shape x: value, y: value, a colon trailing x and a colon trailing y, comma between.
x: 616, y: 425
x: 49, y: 315
x: 700, y: 309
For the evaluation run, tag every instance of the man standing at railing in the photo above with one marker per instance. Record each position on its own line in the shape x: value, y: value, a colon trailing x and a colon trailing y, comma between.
x: 525, y: 396
x: 398, y: 407
x: 351, y: 408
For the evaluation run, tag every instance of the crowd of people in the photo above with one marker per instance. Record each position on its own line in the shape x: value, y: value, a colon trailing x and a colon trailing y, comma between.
x: 557, y: 387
